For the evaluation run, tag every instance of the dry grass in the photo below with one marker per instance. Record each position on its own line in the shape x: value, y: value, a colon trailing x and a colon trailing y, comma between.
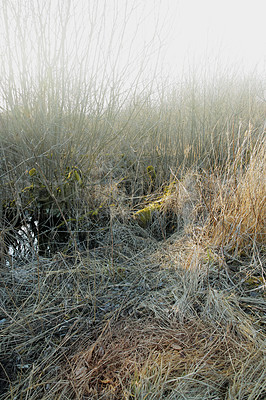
x: 172, y: 311
x: 92, y: 305
x: 166, y: 321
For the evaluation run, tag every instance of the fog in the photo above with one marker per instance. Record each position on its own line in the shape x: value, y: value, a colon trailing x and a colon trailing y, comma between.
x: 116, y: 39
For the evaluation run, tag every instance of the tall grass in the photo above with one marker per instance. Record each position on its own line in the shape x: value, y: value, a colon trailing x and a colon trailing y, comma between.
x: 95, y: 304
x: 69, y: 128
x: 60, y: 107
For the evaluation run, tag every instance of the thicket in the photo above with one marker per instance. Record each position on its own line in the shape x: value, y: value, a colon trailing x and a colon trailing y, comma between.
x: 132, y: 225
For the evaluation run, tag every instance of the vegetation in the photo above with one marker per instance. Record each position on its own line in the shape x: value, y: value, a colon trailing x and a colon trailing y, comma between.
x: 132, y: 237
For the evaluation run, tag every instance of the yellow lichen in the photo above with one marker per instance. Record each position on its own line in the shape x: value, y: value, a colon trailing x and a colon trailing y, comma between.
x: 144, y: 216
x: 32, y: 172
x: 255, y: 281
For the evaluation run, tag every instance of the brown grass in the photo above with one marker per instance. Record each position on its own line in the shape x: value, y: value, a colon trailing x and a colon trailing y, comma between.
x: 167, y: 322
x: 93, y: 305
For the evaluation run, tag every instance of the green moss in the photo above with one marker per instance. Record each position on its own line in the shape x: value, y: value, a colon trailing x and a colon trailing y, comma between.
x: 254, y: 281
x: 32, y: 172
x: 73, y: 174
x: 27, y: 188
x: 144, y: 216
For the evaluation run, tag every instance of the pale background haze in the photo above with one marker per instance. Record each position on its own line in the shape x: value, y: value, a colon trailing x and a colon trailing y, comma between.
x: 120, y: 37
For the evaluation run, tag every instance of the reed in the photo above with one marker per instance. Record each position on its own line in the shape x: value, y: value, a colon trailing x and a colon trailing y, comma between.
x: 132, y: 219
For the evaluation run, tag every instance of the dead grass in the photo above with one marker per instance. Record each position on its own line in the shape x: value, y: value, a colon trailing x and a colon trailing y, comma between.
x: 172, y: 311
x: 92, y: 305
x: 132, y: 355
x: 165, y: 323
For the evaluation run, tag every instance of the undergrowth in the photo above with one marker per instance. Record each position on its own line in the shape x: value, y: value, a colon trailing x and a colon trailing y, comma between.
x: 132, y: 236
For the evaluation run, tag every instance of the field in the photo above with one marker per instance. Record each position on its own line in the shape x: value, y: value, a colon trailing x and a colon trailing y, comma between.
x: 132, y: 239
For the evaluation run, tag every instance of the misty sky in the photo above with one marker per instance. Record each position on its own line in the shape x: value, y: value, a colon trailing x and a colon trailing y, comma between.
x: 126, y: 35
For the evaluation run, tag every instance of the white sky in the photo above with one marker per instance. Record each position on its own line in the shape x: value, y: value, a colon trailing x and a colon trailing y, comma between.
x: 233, y: 30
x: 187, y: 32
